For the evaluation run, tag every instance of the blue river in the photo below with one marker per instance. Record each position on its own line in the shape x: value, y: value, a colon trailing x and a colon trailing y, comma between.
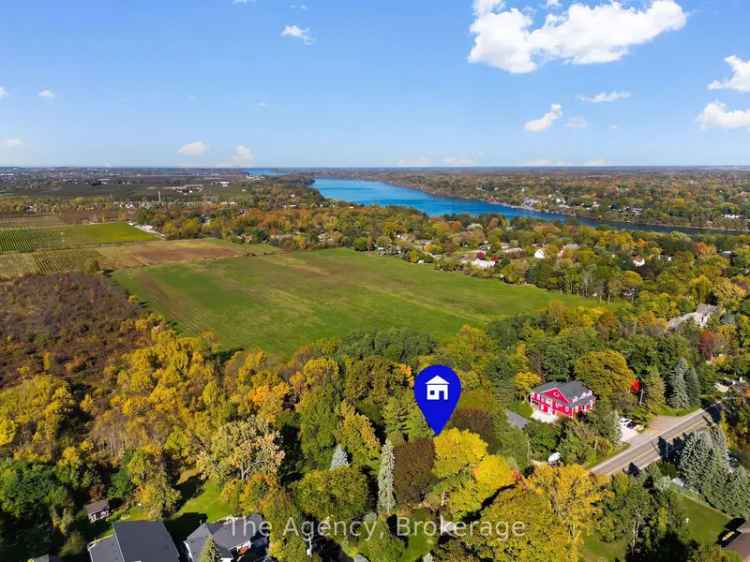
x: 384, y: 194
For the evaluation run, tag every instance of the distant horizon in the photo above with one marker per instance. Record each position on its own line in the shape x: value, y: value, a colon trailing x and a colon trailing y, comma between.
x: 390, y: 168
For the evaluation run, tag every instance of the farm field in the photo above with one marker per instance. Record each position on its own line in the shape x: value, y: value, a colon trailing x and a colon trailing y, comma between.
x: 157, y: 252
x: 280, y: 302
x: 32, y: 221
x: 69, y: 236
x: 176, y: 251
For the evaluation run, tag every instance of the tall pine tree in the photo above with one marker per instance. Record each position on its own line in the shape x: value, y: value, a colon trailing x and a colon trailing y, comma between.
x: 678, y: 392
x: 386, y: 497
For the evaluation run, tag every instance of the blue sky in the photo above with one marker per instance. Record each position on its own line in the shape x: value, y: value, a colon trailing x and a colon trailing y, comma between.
x: 385, y: 83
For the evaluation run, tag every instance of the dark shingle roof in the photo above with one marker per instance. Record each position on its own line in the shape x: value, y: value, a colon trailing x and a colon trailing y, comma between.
x: 136, y: 541
x: 105, y: 550
x: 227, y: 535
x: 97, y: 507
x: 570, y: 389
x: 145, y: 541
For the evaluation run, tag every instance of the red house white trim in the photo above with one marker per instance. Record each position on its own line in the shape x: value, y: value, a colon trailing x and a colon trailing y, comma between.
x: 562, y: 399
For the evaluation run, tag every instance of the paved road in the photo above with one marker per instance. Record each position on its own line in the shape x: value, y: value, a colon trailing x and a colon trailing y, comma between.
x: 647, y: 447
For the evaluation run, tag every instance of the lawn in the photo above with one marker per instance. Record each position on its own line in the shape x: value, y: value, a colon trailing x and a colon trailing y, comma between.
x: 705, y: 525
x: 279, y: 302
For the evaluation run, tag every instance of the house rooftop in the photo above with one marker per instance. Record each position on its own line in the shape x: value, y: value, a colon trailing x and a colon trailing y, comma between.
x: 227, y: 535
x: 97, y: 507
x: 437, y: 380
x: 570, y: 389
x: 741, y: 545
x: 136, y: 541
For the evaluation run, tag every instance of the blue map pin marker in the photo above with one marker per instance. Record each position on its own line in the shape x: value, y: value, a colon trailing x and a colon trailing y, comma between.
x: 437, y: 390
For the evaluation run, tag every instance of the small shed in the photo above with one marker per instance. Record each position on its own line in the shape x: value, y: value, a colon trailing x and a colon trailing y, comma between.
x: 97, y: 511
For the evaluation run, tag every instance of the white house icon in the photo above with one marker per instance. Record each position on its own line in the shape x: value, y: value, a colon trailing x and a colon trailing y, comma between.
x: 437, y: 389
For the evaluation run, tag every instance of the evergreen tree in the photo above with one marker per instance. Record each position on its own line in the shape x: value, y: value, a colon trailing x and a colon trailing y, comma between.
x: 386, y: 497
x: 695, y: 459
x: 209, y: 554
x: 678, y: 393
x: 692, y: 382
x: 654, y: 390
x: 340, y: 458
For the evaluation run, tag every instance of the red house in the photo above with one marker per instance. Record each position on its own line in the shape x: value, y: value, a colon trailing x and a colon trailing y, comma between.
x: 562, y: 398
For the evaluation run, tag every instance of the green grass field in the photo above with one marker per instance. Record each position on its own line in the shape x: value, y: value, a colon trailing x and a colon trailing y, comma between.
x: 281, y: 302
x: 705, y: 525
x: 70, y: 236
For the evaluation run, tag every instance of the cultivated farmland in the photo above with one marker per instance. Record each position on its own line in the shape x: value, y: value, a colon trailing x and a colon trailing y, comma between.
x: 282, y: 301
x: 70, y: 236
x: 177, y: 251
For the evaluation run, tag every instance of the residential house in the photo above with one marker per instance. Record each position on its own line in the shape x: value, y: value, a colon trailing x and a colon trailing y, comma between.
x: 483, y: 264
x: 740, y: 543
x: 97, y: 511
x: 638, y: 261
x: 135, y: 541
x: 701, y: 317
x: 539, y: 254
x: 562, y: 398
x: 233, y: 538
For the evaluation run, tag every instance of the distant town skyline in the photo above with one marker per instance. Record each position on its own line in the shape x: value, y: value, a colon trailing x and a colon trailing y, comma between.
x: 260, y: 83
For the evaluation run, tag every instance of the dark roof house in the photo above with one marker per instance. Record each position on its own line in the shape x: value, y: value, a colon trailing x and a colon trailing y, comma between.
x: 562, y: 398
x: 97, y: 510
x: 741, y: 543
x: 135, y: 541
x: 233, y: 537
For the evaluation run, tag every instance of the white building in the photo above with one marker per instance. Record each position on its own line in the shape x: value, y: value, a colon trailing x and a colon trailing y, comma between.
x: 437, y: 388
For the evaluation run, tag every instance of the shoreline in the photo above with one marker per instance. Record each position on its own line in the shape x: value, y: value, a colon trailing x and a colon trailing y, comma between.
x: 554, y: 215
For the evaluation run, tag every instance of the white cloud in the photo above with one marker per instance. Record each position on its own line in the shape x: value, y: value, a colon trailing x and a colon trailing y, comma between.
x: 198, y: 148
x: 12, y: 143
x: 740, y: 79
x: 606, y: 97
x: 553, y: 4
x: 595, y: 163
x: 300, y: 7
x: 580, y: 35
x: 47, y: 94
x: 297, y: 32
x: 419, y: 162
x: 545, y: 122
x: 459, y: 162
x: 577, y: 123
x: 242, y: 1
x: 3, y: 93
x: 718, y: 115
x: 242, y: 157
